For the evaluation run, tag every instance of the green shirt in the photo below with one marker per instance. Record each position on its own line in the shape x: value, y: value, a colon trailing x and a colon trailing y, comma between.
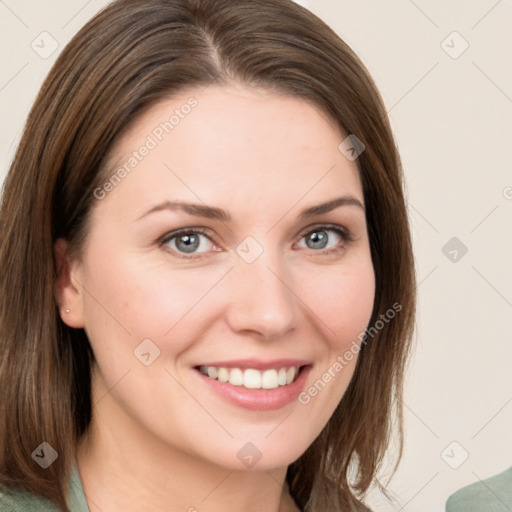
x: 491, y: 495
x: 22, y: 501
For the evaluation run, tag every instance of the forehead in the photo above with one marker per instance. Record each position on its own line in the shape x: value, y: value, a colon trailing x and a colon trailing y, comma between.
x: 227, y: 143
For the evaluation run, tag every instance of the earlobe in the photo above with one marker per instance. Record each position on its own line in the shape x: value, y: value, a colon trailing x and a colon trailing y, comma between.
x: 68, y: 292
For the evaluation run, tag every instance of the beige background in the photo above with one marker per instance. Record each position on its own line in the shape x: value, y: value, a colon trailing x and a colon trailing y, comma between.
x: 452, y: 116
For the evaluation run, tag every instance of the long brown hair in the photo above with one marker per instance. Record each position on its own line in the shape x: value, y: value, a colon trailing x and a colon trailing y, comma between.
x: 128, y: 57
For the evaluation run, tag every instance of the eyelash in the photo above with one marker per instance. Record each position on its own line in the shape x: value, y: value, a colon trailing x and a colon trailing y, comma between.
x: 343, y: 233
x: 189, y: 231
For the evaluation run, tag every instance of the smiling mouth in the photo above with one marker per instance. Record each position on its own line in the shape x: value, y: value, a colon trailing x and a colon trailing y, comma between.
x: 251, y: 378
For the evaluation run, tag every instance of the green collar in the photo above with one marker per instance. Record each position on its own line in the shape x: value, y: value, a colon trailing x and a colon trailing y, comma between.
x: 76, y: 495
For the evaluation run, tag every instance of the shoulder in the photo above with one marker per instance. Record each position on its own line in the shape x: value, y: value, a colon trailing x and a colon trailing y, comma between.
x: 491, y: 495
x: 22, y: 501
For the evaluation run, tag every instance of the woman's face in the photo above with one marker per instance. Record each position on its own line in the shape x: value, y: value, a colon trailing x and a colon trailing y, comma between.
x: 234, y: 243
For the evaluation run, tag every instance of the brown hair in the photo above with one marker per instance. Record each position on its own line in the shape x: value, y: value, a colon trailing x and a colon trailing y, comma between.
x: 128, y: 57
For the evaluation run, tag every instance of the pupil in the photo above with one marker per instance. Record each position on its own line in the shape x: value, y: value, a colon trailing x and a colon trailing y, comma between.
x: 187, y: 243
x: 318, y: 240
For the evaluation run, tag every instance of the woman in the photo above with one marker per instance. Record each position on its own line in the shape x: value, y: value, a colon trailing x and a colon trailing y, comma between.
x: 207, y: 279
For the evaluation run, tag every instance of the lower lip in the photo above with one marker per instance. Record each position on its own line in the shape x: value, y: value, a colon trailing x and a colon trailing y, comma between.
x: 258, y: 399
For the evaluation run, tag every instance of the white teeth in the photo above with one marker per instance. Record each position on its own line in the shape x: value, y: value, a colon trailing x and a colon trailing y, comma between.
x: 290, y: 375
x: 269, y: 379
x: 251, y: 378
x: 223, y: 374
x: 236, y: 377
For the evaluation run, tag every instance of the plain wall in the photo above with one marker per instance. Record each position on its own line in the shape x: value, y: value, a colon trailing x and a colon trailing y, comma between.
x: 452, y: 117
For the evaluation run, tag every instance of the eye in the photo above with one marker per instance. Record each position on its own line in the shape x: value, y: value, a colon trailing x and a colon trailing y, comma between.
x: 188, y: 241
x: 324, y: 238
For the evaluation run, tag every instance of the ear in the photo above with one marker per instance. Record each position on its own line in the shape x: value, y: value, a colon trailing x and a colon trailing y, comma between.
x: 68, y: 291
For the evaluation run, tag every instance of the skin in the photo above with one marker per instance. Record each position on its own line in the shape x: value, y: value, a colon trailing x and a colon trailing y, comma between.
x: 160, y: 439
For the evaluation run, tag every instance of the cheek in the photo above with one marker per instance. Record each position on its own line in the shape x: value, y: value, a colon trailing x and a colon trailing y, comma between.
x: 342, y: 300
x: 144, y: 299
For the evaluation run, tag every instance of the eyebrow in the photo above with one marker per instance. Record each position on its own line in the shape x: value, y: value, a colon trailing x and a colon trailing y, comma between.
x: 198, y: 210
x: 320, y: 209
x: 212, y: 212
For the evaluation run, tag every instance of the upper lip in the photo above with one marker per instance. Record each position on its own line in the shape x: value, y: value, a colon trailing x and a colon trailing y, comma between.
x: 258, y: 364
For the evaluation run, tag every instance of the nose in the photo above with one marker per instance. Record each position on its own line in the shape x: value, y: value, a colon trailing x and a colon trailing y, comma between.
x: 261, y: 299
